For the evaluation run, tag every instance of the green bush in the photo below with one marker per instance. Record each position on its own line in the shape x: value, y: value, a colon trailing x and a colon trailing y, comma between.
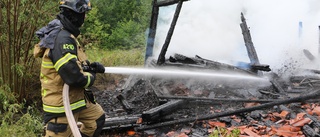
x: 17, y: 120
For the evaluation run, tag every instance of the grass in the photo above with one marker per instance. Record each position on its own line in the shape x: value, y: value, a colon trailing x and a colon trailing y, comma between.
x: 134, y: 57
x: 114, y: 58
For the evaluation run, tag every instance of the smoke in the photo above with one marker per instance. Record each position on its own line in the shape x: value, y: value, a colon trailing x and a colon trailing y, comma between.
x: 280, y: 30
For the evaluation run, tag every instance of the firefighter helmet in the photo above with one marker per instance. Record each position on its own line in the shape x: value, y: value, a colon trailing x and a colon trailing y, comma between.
x: 79, y: 6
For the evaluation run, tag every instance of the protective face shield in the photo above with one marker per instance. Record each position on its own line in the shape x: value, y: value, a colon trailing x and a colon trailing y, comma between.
x: 78, y: 6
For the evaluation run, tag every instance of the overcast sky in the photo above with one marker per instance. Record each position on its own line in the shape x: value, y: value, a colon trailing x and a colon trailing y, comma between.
x: 211, y: 29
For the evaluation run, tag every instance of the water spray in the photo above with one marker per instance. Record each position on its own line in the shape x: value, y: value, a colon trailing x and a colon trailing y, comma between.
x: 181, y: 73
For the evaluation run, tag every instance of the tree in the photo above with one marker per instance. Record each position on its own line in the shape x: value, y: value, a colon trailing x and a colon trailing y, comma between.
x: 19, y: 19
x: 127, y: 21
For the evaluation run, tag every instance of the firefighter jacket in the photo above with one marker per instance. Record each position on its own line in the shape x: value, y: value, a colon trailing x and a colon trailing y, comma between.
x: 62, y: 62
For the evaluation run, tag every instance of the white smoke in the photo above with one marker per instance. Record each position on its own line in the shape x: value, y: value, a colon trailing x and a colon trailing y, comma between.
x: 211, y: 29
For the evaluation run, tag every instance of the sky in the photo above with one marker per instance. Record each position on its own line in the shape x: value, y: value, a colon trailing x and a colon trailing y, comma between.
x: 280, y: 30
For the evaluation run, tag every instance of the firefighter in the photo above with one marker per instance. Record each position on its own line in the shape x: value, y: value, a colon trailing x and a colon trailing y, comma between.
x: 64, y: 61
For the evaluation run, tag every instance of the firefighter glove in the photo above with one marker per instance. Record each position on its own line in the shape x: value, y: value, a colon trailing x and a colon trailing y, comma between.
x: 97, y: 67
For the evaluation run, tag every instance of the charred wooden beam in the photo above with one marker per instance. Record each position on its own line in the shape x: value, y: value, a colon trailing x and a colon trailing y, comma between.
x: 261, y: 67
x: 312, y: 95
x: 167, y: 2
x: 162, y: 110
x: 161, y: 58
x: 182, y: 59
x: 309, y: 132
x: 277, y: 86
x: 152, y: 31
x: 248, y: 42
x: 217, y: 99
x: 315, y: 123
x: 221, y: 66
x: 120, y: 121
x: 124, y: 103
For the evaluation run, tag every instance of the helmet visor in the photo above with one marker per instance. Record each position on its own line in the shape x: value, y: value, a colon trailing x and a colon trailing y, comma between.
x: 83, y: 6
x: 79, y: 6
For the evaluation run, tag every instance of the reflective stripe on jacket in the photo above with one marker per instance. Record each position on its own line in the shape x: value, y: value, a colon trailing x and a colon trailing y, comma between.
x: 54, y: 68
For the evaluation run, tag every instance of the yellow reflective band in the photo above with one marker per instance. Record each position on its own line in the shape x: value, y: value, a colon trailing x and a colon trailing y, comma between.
x: 64, y: 60
x: 73, y: 106
x: 89, y: 80
x: 47, y: 64
x: 45, y: 79
x: 44, y: 92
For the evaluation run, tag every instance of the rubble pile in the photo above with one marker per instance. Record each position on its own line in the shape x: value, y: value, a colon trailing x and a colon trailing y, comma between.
x: 153, y: 106
x: 186, y: 106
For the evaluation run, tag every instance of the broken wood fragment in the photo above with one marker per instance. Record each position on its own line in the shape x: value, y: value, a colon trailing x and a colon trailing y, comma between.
x: 124, y: 103
x: 120, y: 121
x: 309, y: 132
x: 248, y: 43
x: 152, y: 31
x: 221, y: 66
x: 261, y: 67
x: 161, y: 58
x: 162, y: 110
x: 315, y: 123
x: 277, y: 86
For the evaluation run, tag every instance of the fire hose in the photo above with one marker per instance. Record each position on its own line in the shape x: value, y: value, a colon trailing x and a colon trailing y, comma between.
x: 72, y: 123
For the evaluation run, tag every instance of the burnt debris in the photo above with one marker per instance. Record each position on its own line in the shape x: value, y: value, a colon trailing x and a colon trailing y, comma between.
x: 284, y: 106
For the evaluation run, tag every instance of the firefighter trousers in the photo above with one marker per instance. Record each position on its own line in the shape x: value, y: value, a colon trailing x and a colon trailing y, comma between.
x: 92, y: 119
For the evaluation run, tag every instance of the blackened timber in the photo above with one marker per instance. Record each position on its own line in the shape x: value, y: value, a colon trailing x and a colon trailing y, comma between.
x: 315, y: 121
x: 162, y: 110
x: 123, y: 120
x: 277, y: 86
x: 309, y: 132
x: 167, y: 2
x: 152, y: 31
x: 165, y: 46
x: 124, y: 103
x: 221, y: 66
x: 248, y: 42
x: 302, y: 98
x: 261, y: 67
x: 217, y: 99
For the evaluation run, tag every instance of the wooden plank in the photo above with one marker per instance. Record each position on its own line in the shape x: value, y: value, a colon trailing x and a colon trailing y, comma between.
x: 248, y: 42
x: 152, y: 31
x: 122, y: 120
x: 162, y: 110
x: 161, y: 58
x: 277, y: 86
